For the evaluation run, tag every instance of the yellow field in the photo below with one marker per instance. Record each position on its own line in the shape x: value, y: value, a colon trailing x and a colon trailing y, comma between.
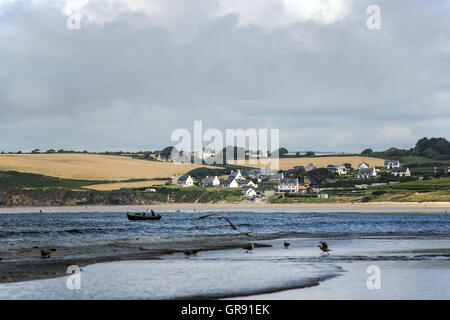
x: 320, y: 162
x: 91, y: 166
x: 120, y: 185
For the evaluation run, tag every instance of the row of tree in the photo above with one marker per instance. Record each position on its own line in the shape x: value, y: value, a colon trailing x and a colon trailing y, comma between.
x: 433, y: 148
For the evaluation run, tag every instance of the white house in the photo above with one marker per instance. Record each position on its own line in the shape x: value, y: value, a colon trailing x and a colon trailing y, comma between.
x: 364, y: 173
x: 231, y: 183
x: 247, y: 183
x: 310, y: 167
x: 211, y: 181
x: 340, y: 170
x: 250, y: 193
x: 236, y: 175
x: 363, y: 165
x: 389, y: 164
x: 401, y: 171
x: 287, y: 185
x: 185, y: 181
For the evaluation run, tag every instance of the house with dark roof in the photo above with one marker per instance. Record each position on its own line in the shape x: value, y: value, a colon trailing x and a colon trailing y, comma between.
x: 365, y: 173
x: 287, y: 185
x: 231, y: 182
x: 247, y: 184
x: 185, y: 181
x: 389, y: 164
x: 340, y: 170
x: 401, y: 172
x: 211, y: 181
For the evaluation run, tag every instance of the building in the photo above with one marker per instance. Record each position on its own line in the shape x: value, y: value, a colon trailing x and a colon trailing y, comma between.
x: 236, y: 174
x: 363, y: 165
x: 185, y: 181
x: 401, y: 172
x: 365, y: 173
x: 231, y: 183
x: 211, y: 181
x: 247, y: 183
x: 389, y: 164
x: 287, y: 185
x: 250, y: 193
x: 340, y: 170
x: 310, y: 167
x: 322, y: 196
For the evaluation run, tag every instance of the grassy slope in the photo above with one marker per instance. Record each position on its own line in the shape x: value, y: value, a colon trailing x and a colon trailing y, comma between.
x: 12, y: 179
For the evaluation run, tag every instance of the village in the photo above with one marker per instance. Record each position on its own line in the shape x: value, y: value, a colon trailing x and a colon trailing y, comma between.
x: 260, y: 183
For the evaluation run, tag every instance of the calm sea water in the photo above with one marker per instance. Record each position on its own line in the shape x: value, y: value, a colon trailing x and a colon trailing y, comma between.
x: 81, y: 226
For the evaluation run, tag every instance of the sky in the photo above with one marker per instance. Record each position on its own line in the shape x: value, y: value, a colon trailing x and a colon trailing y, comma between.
x: 137, y: 70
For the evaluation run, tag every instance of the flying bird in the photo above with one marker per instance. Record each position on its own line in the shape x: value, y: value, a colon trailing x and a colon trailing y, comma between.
x: 220, y: 217
x: 324, y: 247
x: 249, y: 248
x: 286, y: 244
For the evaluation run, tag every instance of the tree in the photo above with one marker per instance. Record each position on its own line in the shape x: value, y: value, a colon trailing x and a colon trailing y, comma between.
x: 50, y: 151
x: 36, y: 151
x: 282, y: 151
x: 310, y: 154
x: 367, y: 151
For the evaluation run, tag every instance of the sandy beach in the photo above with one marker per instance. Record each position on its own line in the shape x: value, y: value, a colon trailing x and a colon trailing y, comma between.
x: 370, y: 207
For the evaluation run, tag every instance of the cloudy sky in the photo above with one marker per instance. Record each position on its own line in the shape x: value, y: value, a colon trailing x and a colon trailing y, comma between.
x: 138, y: 69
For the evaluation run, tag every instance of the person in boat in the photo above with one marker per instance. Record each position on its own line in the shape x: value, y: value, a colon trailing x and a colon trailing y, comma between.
x: 153, y: 213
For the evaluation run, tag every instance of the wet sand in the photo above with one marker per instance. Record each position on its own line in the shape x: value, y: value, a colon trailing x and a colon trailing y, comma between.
x: 26, y: 264
x: 371, y: 207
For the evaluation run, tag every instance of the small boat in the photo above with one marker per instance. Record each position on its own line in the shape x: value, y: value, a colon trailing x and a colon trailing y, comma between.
x: 143, y: 216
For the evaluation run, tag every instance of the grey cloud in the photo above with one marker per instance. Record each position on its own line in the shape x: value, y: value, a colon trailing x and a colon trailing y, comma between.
x: 127, y: 84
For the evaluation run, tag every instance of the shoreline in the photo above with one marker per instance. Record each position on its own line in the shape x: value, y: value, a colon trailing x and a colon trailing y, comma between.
x: 369, y: 207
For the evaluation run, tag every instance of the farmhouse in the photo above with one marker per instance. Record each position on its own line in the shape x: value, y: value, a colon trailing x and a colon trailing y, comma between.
x: 288, y: 185
x: 185, y: 181
x: 364, y: 173
x: 401, y: 171
x: 211, y: 181
x: 389, y: 164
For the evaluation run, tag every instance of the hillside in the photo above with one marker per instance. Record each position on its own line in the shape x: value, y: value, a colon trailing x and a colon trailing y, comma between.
x: 321, y: 162
x: 91, y: 166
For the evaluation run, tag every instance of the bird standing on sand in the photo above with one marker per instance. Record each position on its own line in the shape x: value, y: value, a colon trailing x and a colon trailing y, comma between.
x: 249, y: 248
x: 324, y: 247
x: 286, y: 244
x: 45, y: 254
x: 220, y: 217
